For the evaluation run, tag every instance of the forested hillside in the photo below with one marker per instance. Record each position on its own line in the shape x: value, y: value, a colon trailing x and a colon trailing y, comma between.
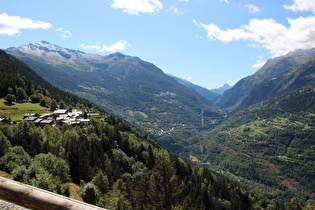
x: 232, y: 98
x: 127, y: 87
x: 115, y: 165
x: 270, y: 148
x: 294, y: 79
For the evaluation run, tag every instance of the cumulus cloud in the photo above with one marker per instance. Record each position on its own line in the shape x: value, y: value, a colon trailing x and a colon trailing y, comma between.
x: 121, y: 45
x: 63, y: 33
x: 302, y: 5
x: 187, y: 78
x: 259, y: 64
x: 176, y: 11
x: 267, y: 33
x: 226, y: 1
x: 252, y: 8
x: 93, y: 47
x: 11, y: 25
x: 136, y: 6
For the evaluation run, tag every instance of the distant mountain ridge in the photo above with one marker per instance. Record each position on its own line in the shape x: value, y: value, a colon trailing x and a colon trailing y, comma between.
x: 123, y: 85
x: 208, y: 94
x: 221, y: 90
x: 273, y: 67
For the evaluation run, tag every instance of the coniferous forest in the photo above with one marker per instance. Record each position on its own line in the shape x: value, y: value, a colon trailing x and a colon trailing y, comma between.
x: 116, y: 165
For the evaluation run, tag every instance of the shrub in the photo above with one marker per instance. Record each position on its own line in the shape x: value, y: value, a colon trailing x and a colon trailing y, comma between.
x: 90, y: 193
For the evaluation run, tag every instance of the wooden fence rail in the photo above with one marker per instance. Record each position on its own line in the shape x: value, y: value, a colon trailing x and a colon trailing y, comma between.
x: 35, y: 198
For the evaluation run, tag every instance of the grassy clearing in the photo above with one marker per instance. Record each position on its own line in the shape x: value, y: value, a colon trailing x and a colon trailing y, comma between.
x: 5, y: 175
x: 74, y: 191
x: 17, y: 110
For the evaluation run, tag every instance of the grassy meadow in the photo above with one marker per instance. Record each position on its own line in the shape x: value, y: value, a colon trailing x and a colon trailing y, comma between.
x: 17, y: 110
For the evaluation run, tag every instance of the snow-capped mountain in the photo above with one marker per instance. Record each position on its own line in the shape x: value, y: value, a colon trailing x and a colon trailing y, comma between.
x: 47, y: 51
x: 220, y: 90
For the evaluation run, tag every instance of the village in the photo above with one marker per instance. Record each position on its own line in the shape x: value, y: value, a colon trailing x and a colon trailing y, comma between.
x: 58, y: 117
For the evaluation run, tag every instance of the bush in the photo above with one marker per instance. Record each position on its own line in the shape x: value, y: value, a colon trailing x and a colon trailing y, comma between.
x: 89, y: 193
x: 43, y: 103
x: 101, y: 182
x: 14, y: 158
x: 35, y: 98
x: 10, y: 98
x: 5, y: 144
x: 18, y: 173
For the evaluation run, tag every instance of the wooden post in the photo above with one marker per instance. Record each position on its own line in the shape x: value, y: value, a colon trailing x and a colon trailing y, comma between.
x: 35, y: 198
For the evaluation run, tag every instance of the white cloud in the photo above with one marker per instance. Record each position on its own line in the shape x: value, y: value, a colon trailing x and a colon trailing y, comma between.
x: 259, y: 64
x: 64, y: 34
x: 214, y: 32
x: 11, y: 25
x: 176, y: 11
x: 136, y: 6
x: 94, y: 47
x: 187, y: 78
x: 302, y: 5
x: 269, y: 34
x: 196, y: 23
x: 121, y: 45
x: 252, y: 8
x: 226, y: 1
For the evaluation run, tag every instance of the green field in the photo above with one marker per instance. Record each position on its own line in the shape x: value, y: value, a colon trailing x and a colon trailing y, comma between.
x: 17, y: 110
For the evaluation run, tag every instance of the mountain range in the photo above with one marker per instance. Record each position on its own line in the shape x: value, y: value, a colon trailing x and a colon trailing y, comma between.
x: 264, y: 142
x: 108, y: 163
x: 269, y: 147
x: 125, y: 86
x: 208, y: 94
x: 233, y: 97
x: 221, y: 90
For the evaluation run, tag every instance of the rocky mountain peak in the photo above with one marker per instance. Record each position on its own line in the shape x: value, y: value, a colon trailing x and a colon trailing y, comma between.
x: 46, y: 49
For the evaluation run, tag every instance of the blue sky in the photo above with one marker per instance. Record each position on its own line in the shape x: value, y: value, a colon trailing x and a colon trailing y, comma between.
x: 208, y: 42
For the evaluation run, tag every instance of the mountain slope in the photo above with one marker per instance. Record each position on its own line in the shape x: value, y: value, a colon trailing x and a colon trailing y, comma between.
x: 14, y: 72
x: 270, y: 148
x: 273, y: 67
x: 293, y: 79
x: 123, y: 85
x: 208, y: 94
x: 127, y: 166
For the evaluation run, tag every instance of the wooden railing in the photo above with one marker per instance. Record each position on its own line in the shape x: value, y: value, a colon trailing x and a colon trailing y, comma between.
x: 35, y: 198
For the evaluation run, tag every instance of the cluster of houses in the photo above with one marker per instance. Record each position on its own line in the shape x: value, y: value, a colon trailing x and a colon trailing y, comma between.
x: 283, y: 124
x: 168, y: 131
x: 60, y: 116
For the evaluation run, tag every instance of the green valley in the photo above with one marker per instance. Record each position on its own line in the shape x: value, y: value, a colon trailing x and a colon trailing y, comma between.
x: 128, y: 87
x: 121, y: 165
x: 262, y: 139
x: 270, y: 147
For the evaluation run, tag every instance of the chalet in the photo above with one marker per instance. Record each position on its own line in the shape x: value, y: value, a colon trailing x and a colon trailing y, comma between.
x: 46, y: 122
x: 84, y: 121
x: 75, y: 112
x: 27, y: 115
x: 4, y: 121
x: 60, y: 116
x: 30, y: 119
x: 59, y: 112
x: 46, y: 115
x: 93, y: 114
x: 38, y: 120
x: 70, y: 122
